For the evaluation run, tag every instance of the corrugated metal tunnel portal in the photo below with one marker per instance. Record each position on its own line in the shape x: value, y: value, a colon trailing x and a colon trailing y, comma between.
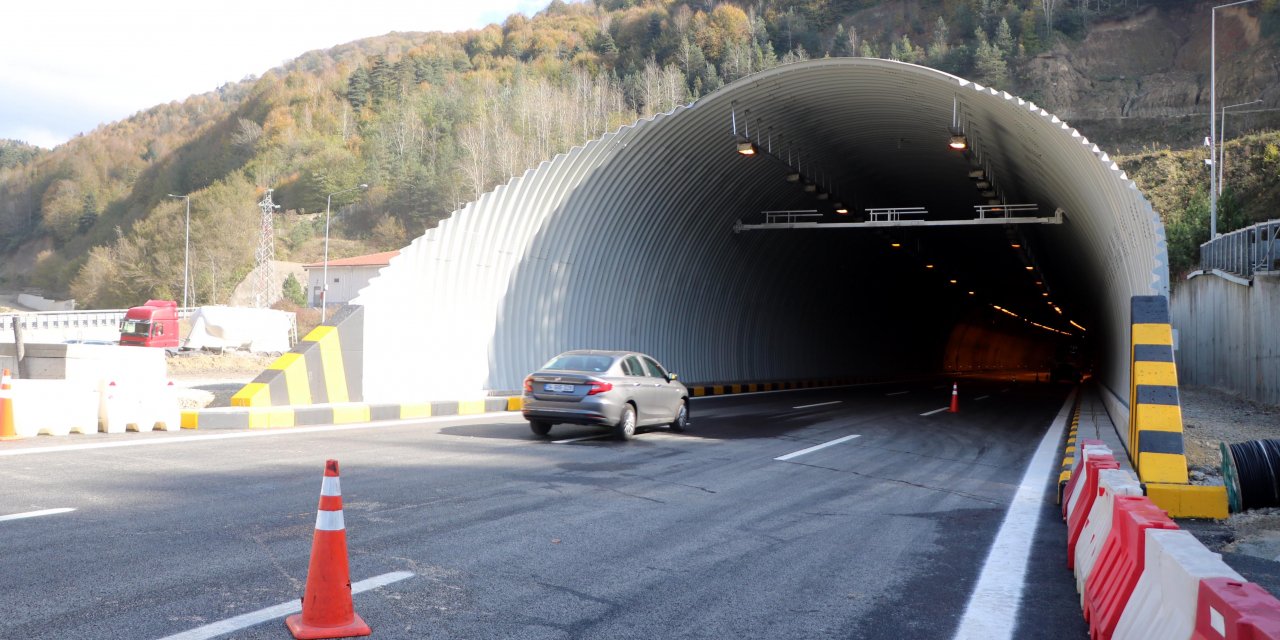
x: 629, y: 242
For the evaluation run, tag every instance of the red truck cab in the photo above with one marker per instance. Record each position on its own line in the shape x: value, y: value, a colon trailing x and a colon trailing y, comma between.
x: 154, y: 324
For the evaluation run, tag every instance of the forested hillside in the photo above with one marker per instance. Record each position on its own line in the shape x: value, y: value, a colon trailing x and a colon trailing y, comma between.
x: 432, y: 120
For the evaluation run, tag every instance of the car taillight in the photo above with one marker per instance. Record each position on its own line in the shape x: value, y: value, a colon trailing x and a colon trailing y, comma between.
x: 528, y: 384
x: 599, y: 386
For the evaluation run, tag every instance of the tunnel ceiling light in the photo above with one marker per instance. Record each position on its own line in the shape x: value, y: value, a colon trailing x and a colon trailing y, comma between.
x: 1058, y: 309
x: 840, y: 208
x: 794, y: 176
x: 958, y: 141
x: 953, y: 281
x: 982, y: 184
x: 977, y: 174
x: 895, y: 245
x: 1045, y: 294
x: 1039, y: 283
x: 746, y: 147
x: 972, y: 293
x: 1077, y: 325
x: 1029, y: 268
x: 928, y: 266
x: 990, y: 194
x: 823, y: 195
x: 810, y: 187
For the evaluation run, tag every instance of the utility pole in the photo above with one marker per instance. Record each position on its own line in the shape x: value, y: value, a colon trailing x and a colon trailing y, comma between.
x: 1214, y: 188
x: 264, y: 272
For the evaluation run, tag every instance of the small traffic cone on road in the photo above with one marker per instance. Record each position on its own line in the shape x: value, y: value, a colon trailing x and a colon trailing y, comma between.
x: 7, y: 429
x: 955, y: 398
x: 327, y: 610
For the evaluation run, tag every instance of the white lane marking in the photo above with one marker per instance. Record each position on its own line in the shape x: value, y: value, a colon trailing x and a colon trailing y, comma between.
x: 897, y: 393
x: 279, y: 611
x: 36, y: 514
x: 820, y: 404
x: 929, y: 413
x: 796, y: 454
x: 580, y: 439
x: 186, y: 439
x: 1004, y: 391
x: 993, y: 607
x: 982, y: 397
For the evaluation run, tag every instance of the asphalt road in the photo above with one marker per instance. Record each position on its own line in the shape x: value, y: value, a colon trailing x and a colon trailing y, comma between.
x: 698, y: 535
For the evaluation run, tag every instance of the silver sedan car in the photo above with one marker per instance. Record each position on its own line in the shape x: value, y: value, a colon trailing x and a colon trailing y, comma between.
x: 621, y: 390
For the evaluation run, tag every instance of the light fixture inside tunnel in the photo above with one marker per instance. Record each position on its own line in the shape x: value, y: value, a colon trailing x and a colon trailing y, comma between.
x: 840, y: 208
x: 794, y: 176
x: 746, y: 147
x: 1077, y: 325
x: 958, y: 141
x: 1029, y: 268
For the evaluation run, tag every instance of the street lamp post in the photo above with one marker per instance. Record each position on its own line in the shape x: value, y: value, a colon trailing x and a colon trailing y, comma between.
x: 186, y: 251
x: 324, y: 290
x: 1222, y: 141
x: 1214, y: 188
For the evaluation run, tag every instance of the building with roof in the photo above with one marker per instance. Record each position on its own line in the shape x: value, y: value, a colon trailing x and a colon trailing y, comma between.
x: 347, y: 276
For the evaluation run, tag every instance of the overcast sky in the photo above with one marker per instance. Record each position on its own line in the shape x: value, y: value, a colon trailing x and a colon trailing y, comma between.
x: 67, y: 66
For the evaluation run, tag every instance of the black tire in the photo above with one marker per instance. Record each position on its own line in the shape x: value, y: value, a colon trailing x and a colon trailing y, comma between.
x: 626, y: 426
x: 682, y: 418
x: 540, y: 428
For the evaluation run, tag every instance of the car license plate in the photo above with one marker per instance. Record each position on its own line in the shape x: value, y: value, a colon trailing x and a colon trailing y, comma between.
x: 559, y: 388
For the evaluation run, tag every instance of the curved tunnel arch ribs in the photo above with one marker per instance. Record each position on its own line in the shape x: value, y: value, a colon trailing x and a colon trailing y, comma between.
x: 628, y: 242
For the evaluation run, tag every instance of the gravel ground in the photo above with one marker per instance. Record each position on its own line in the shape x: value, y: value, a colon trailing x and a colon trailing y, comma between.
x: 1209, y: 418
x: 210, y: 379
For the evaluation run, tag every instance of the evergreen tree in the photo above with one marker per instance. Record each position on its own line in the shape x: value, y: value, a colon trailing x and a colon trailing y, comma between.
x: 292, y: 291
x: 90, y: 214
x: 358, y: 88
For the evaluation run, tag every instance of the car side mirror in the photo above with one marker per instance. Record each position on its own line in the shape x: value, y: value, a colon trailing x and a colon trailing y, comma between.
x: 671, y: 377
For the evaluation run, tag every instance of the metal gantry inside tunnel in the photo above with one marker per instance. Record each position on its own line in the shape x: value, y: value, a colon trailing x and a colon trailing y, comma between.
x: 636, y: 240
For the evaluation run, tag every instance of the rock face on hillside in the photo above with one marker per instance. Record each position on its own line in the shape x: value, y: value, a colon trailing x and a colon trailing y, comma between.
x: 1147, y: 76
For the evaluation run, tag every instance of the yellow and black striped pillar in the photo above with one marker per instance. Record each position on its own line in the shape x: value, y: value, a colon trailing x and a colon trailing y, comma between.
x: 324, y: 367
x: 1155, y: 416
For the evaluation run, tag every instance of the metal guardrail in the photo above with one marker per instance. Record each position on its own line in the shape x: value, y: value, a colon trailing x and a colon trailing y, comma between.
x: 893, y: 214
x: 53, y: 320
x: 791, y: 216
x: 1245, y: 251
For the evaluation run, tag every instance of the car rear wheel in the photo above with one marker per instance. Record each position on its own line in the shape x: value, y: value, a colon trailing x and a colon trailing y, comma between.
x: 682, y: 418
x: 626, y: 426
x: 540, y: 428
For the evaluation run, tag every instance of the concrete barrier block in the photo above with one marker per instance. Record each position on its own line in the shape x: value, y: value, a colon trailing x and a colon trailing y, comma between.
x: 54, y: 407
x: 1163, y: 603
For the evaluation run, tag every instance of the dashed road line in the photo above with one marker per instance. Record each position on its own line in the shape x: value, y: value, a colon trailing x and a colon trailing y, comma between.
x: 820, y: 404
x: 36, y: 514
x: 929, y: 413
x: 982, y: 397
x: 796, y: 454
x: 897, y: 393
x: 247, y: 620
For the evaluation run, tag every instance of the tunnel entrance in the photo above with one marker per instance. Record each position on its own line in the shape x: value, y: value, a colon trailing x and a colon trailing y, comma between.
x: 629, y: 242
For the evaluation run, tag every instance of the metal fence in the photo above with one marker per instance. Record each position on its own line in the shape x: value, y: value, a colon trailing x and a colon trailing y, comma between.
x: 1244, y: 252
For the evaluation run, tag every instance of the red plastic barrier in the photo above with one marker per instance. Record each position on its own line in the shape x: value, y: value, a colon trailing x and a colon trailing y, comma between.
x: 1088, y: 493
x: 1076, y: 475
x: 1228, y: 609
x: 1120, y: 564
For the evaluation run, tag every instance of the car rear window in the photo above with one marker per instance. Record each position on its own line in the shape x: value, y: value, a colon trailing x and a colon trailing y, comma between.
x: 578, y: 362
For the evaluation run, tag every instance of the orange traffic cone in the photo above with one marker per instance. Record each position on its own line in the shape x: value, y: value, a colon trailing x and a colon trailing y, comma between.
x: 7, y: 429
x: 327, y: 610
x: 955, y: 398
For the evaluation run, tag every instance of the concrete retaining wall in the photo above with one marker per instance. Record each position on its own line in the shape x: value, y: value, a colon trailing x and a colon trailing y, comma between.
x: 1229, y: 335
